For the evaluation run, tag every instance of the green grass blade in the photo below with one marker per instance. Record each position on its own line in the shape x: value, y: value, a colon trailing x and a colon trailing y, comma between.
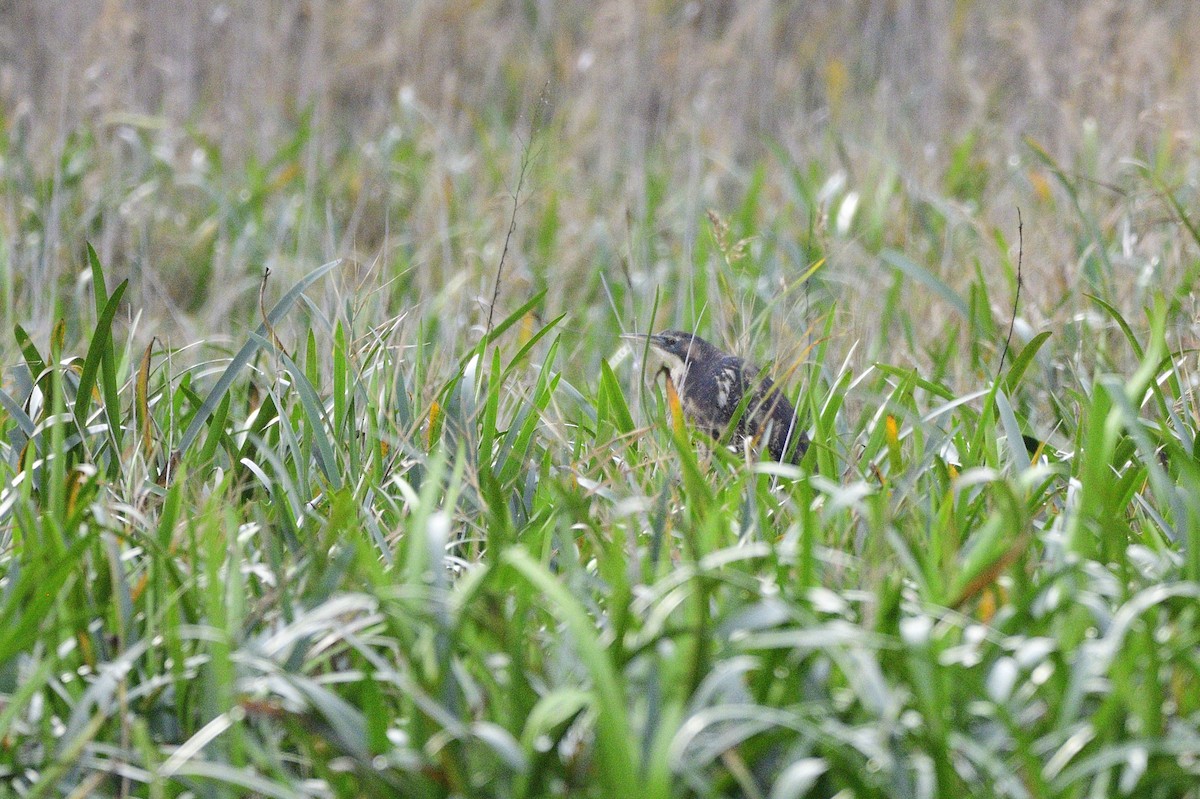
x: 912, y: 269
x: 100, y: 347
x: 614, y: 400
x: 1023, y: 360
x: 616, y: 756
x: 14, y: 409
x: 314, y: 412
x: 243, y: 356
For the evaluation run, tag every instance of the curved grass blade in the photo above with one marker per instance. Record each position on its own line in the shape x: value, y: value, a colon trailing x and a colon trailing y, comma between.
x: 216, y: 431
x: 18, y: 414
x: 501, y: 327
x: 616, y: 756
x: 247, y: 351
x: 33, y: 359
x: 108, y: 359
x: 141, y: 401
x: 313, y: 409
x: 1022, y: 361
x: 1012, y: 432
x: 923, y: 275
x: 99, y: 289
x: 1115, y: 315
x: 613, y: 399
x: 101, y: 343
x: 529, y: 345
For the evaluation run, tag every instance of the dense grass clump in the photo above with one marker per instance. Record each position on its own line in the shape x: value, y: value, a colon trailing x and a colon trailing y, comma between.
x: 325, y: 473
x: 334, y: 559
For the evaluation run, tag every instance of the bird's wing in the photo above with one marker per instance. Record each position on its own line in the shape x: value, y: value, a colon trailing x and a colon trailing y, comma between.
x: 731, y: 380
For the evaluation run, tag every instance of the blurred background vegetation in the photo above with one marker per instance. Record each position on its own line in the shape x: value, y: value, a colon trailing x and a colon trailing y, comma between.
x: 352, y: 559
x: 196, y: 144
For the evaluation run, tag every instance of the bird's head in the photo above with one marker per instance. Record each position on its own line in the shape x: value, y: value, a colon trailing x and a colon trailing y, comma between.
x: 676, y: 350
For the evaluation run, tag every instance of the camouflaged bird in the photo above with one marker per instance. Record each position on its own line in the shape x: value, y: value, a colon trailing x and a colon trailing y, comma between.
x: 711, y: 386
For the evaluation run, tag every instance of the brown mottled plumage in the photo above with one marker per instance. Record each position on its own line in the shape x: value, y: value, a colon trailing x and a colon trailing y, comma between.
x: 711, y: 385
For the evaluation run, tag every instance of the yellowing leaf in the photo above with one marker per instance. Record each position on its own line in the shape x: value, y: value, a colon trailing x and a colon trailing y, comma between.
x: 527, y: 326
x: 674, y: 407
x: 142, y: 399
x: 891, y: 434
x: 1041, y: 186
x: 435, y: 412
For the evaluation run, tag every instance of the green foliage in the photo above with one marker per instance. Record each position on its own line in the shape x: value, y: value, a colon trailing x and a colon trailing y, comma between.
x: 354, y: 550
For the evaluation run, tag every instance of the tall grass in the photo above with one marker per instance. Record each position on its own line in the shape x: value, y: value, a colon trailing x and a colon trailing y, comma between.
x: 338, y: 557
x: 282, y: 514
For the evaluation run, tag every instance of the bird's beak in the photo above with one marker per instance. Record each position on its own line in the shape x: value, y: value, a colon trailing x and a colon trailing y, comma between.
x: 655, y: 342
x: 640, y: 338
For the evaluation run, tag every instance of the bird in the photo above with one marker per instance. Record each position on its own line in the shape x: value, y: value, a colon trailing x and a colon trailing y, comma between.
x: 712, y: 385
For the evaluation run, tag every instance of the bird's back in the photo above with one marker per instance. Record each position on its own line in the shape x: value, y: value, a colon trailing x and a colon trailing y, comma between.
x: 715, y: 391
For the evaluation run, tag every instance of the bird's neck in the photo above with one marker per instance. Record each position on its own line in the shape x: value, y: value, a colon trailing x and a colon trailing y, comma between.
x: 676, y: 367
